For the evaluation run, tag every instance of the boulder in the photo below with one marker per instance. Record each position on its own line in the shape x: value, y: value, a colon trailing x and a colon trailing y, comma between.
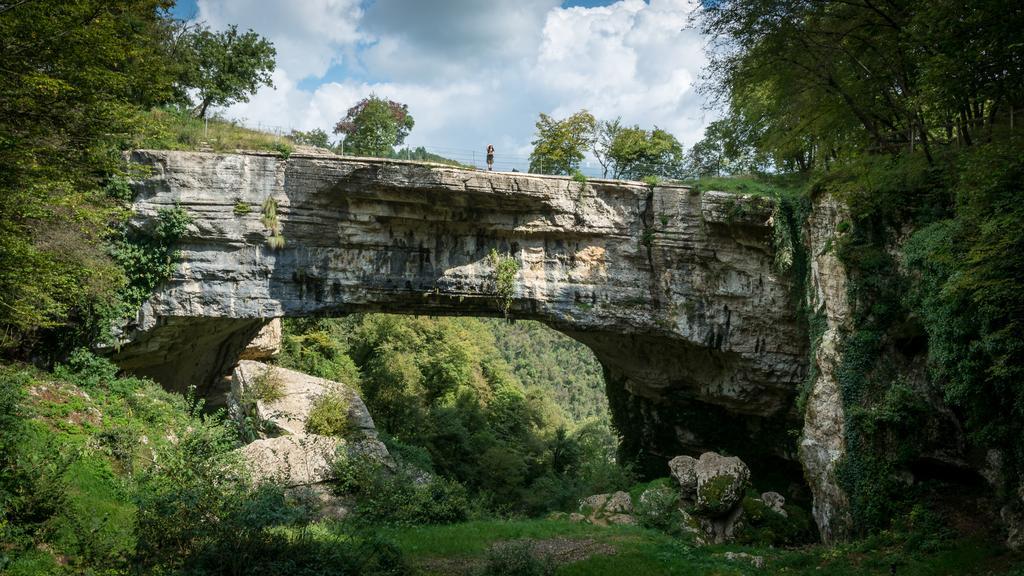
x: 291, y: 460
x: 775, y: 502
x: 266, y: 345
x: 605, y: 509
x: 594, y: 503
x: 619, y: 503
x: 286, y: 412
x: 684, y: 471
x: 755, y: 561
x: 721, y: 482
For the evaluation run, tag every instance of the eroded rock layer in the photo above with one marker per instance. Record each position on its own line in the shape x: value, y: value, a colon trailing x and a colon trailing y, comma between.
x: 674, y: 290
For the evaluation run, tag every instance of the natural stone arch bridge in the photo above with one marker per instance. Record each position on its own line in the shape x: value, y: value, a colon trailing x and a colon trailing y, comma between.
x: 674, y: 290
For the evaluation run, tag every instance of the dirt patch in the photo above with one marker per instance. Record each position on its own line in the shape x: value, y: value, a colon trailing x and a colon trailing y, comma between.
x: 564, y: 550
x: 559, y: 550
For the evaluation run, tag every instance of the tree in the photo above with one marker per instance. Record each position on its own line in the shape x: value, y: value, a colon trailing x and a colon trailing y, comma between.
x: 635, y: 153
x: 606, y: 132
x: 374, y: 126
x: 561, y: 144
x: 75, y: 75
x: 315, y: 137
x: 227, y: 67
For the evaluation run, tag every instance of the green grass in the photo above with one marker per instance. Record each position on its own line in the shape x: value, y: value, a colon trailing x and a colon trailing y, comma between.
x: 652, y: 553
x: 171, y: 129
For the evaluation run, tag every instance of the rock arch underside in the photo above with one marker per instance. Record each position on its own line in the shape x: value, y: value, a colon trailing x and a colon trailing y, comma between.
x: 675, y: 291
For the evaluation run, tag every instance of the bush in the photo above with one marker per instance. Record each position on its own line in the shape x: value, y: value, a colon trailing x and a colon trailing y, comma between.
x: 400, y: 497
x: 657, y: 506
x: 328, y: 416
x: 268, y: 386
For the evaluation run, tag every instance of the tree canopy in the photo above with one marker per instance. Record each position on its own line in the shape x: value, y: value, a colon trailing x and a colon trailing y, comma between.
x: 75, y: 77
x: 561, y: 145
x: 635, y: 153
x: 227, y: 67
x: 374, y: 126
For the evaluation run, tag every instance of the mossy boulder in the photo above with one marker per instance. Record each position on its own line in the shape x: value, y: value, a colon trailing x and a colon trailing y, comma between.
x: 721, y: 484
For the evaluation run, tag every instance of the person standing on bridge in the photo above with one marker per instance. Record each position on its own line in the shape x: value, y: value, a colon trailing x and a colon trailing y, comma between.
x: 490, y: 157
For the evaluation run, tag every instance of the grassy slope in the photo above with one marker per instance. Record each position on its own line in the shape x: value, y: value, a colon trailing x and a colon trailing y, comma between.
x: 543, y: 357
x: 97, y: 439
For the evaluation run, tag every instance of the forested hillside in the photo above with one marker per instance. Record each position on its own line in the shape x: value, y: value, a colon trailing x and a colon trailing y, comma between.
x: 443, y: 391
x: 547, y: 359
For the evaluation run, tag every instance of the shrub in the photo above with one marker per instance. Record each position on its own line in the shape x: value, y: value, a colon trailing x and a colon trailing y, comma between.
x: 268, y: 386
x: 242, y: 208
x: 401, y: 497
x: 657, y: 506
x: 506, y: 269
x: 328, y: 416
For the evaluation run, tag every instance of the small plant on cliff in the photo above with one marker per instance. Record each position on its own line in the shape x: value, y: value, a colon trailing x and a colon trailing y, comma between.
x: 578, y: 176
x: 268, y: 386
x: 283, y: 148
x: 272, y: 224
x: 648, y: 237
x: 651, y: 181
x: 506, y: 269
x: 242, y: 208
x: 329, y: 415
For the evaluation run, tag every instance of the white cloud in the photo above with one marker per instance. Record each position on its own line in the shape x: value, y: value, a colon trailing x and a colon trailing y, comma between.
x: 310, y: 35
x: 475, y: 73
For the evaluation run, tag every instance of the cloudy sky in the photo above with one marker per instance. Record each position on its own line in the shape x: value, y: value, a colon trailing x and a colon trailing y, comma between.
x: 473, y: 72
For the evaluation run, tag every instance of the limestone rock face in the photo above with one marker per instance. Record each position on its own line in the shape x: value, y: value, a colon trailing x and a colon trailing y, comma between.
x: 267, y: 343
x: 287, y: 414
x: 284, y: 451
x: 775, y: 502
x: 822, y: 444
x: 684, y: 471
x: 721, y: 482
x: 674, y: 290
x: 292, y: 460
x: 605, y: 509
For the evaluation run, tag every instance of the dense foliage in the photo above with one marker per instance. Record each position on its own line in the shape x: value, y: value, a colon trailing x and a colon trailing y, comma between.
x: 561, y: 145
x: 451, y: 404
x: 374, y: 126
x: 113, y: 475
x: 78, y: 82
x: 905, y: 111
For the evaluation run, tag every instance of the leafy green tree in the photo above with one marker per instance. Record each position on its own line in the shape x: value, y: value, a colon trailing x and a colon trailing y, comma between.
x: 635, y: 153
x: 315, y: 137
x: 75, y: 76
x: 561, y: 144
x: 605, y: 134
x: 374, y: 126
x: 227, y: 67
x: 726, y: 148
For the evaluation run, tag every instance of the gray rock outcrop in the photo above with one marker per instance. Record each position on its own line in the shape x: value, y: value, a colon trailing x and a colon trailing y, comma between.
x: 604, y: 509
x: 288, y: 409
x: 276, y: 403
x: 823, y: 444
x: 721, y: 483
x: 675, y: 291
x: 684, y: 471
x: 267, y: 343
